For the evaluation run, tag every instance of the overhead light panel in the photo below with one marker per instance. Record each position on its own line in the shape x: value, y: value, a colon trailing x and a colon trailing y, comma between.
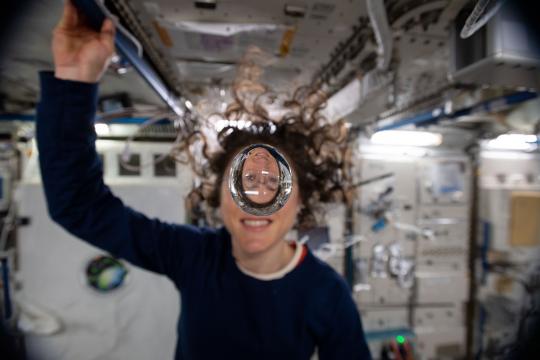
x: 406, y: 138
x: 102, y: 129
x: 522, y: 142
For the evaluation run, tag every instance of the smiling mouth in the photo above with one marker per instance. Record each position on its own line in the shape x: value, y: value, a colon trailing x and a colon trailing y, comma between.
x: 256, y: 224
x: 260, y: 156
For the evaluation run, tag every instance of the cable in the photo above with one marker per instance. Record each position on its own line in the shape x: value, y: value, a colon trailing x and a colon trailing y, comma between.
x: 7, y: 226
x: 128, y: 112
x: 373, y: 179
x: 427, y: 233
x: 352, y: 240
x: 475, y: 20
x: 328, y: 250
x: 383, y: 33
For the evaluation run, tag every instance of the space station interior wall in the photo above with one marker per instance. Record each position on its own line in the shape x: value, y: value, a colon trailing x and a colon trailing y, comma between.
x: 411, y: 264
x: 508, y: 247
x: 52, y: 265
x: 411, y: 260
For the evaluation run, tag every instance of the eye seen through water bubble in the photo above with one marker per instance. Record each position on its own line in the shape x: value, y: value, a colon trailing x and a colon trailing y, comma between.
x: 260, y: 180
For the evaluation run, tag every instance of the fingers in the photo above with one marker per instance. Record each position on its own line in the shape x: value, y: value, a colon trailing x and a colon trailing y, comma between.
x: 70, y: 16
x: 107, y: 28
x: 107, y: 33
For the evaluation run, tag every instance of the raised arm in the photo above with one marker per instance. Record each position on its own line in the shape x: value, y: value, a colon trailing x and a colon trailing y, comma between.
x: 77, y: 197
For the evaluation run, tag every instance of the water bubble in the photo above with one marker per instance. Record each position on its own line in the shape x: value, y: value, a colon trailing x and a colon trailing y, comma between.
x: 260, y: 180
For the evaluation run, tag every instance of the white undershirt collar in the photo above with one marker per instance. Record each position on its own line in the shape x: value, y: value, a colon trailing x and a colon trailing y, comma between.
x: 280, y: 273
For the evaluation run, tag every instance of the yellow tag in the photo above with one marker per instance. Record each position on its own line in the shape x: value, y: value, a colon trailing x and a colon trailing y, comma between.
x: 286, y: 41
x: 163, y: 35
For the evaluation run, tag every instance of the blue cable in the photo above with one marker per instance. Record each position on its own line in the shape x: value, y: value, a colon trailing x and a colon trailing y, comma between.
x: 482, y: 320
x: 486, y: 240
x: 7, y: 295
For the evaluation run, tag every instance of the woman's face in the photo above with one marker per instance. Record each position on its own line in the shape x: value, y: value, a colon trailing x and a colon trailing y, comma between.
x: 260, y: 176
x: 254, y: 234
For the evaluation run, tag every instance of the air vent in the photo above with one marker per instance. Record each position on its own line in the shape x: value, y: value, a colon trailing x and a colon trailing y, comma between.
x: 132, y: 167
x: 164, y: 167
x: 206, y: 4
x: 295, y: 11
x: 158, y: 131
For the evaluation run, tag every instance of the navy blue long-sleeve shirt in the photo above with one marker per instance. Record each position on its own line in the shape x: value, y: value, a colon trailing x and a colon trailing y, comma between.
x: 225, y: 313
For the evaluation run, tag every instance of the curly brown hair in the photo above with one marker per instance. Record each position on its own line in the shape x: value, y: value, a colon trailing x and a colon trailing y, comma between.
x: 316, y: 148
